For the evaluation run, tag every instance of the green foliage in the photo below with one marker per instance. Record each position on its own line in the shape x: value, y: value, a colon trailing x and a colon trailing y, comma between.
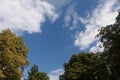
x: 13, y: 56
x: 84, y: 66
x: 34, y: 74
x: 1, y: 74
x: 110, y: 37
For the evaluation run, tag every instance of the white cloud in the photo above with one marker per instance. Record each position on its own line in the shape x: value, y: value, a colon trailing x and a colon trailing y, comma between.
x: 84, y: 39
x: 25, y: 15
x: 71, y: 18
x: 67, y: 20
x: 96, y: 48
x: 54, y: 75
x: 104, y: 14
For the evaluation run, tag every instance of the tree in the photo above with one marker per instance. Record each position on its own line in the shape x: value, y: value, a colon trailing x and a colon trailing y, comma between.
x: 34, y: 74
x: 13, y: 56
x: 84, y: 66
x: 110, y: 38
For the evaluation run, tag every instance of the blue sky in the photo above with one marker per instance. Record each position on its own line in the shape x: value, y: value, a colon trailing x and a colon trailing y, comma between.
x: 54, y: 29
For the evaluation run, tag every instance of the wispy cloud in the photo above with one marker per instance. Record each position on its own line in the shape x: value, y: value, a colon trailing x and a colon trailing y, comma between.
x: 59, y: 4
x: 71, y: 18
x: 104, y: 14
x: 54, y: 75
x: 25, y: 15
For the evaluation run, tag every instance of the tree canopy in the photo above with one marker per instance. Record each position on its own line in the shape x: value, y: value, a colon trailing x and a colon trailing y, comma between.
x: 84, y: 66
x: 110, y: 38
x: 13, y: 56
x: 34, y: 74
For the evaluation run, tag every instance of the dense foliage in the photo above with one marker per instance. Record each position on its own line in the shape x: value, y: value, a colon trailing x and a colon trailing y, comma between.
x: 110, y: 37
x: 84, y: 66
x: 13, y: 56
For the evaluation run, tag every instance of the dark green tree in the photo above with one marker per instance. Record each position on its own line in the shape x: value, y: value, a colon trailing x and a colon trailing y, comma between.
x: 84, y: 66
x: 13, y: 56
x: 110, y: 37
x: 34, y: 74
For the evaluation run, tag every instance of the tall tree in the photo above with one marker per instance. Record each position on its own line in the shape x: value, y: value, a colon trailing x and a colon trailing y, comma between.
x: 13, y: 56
x: 110, y: 37
x: 34, y: 74
x: 84, y: 66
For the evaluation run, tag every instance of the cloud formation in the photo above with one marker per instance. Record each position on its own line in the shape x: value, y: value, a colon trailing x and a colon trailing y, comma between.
x: 25, y: 15
x: 104, y: 14
x: 71, y: 18
x: 54, y: 75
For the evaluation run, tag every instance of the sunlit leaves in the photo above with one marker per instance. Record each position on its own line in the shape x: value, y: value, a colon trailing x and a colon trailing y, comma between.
x: 13, y: 55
